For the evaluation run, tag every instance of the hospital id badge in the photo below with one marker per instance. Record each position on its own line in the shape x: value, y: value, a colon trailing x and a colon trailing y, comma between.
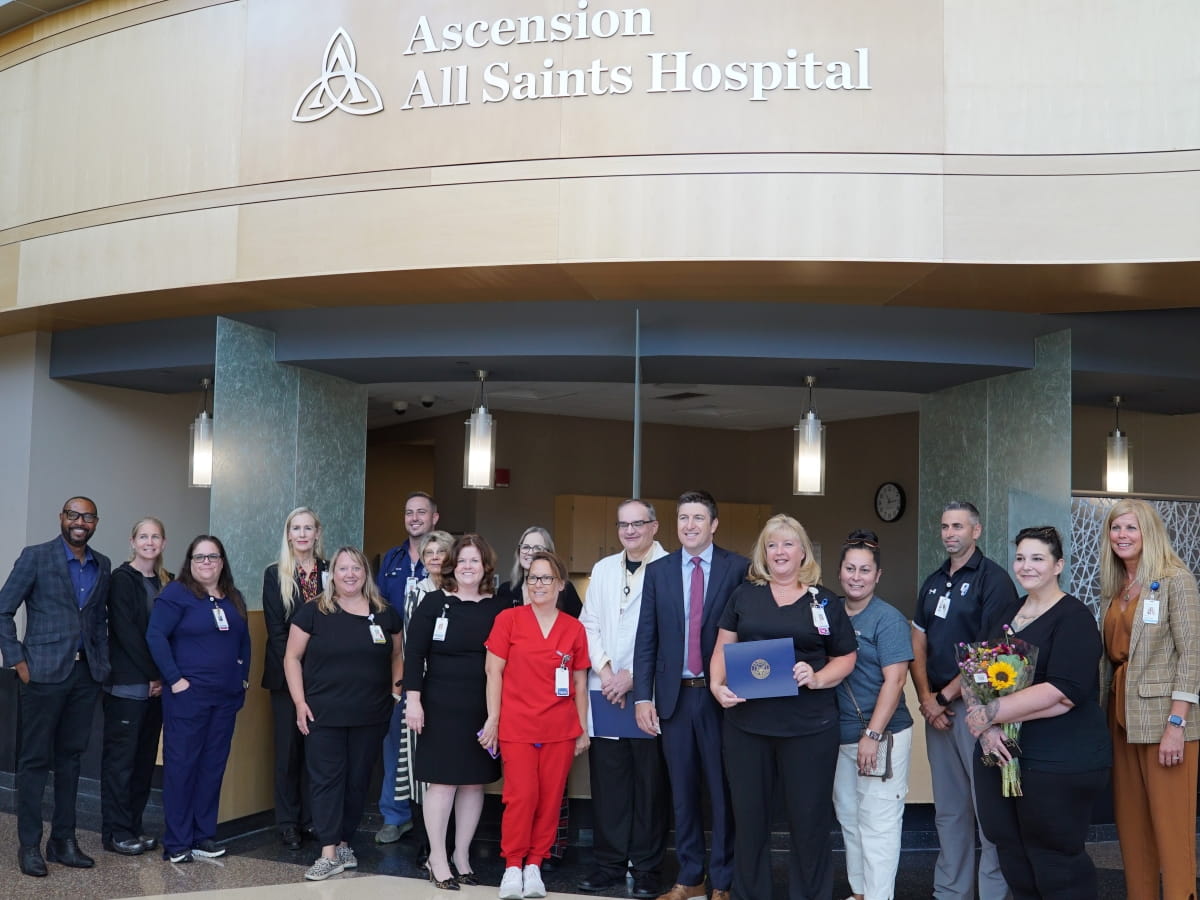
x: 219, y: 618
x: 943, y: 606
x: 410, y: 587
x: 377, y: 634
x: 440, y: 627
x: 1150, y: 611
x: 562, y: 683
x: 820, y: 620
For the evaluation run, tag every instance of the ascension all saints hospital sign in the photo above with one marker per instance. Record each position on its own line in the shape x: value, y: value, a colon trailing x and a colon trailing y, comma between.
x: 342, y: 86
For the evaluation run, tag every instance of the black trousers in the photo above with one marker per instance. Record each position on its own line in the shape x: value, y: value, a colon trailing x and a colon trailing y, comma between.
x: 340, y: 760
x: 131, y: 732
x: 629, y: 803
x: 1040, y: 837
x: 291, y: 776
x: 56, y: 723
x: 798, y: 770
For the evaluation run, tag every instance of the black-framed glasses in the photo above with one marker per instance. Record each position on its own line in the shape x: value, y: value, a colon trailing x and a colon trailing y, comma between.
x: 533, y: 548
x: 74, y: 516
x: 636, y: 524
x: 206, y: 557
x: 540, y: 579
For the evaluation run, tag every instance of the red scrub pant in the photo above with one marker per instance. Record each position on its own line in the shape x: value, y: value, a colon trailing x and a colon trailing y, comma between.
x: 534, y: 778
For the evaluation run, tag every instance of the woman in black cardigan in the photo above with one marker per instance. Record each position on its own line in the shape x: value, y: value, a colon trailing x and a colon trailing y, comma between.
x: 297, y: 578
x: 132, y: 694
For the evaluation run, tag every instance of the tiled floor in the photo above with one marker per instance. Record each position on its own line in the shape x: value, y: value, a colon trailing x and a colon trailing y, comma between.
x: 257, y: 868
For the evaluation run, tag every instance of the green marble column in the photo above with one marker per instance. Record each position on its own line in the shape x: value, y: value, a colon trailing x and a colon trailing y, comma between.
x: 282, y: 437
x: 1004, y: 444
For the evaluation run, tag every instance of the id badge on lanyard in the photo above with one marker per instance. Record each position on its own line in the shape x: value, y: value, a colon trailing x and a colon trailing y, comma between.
x: 376, y: 630
x: 219, y: 616
x: 820, y: 620
x: 562, y: 676
x: 1150, y: 609
x: 442, y: 624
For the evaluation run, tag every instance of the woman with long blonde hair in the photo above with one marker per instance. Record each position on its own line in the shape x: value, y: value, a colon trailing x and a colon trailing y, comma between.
x: 297, y: 577
x: 1150, y: 684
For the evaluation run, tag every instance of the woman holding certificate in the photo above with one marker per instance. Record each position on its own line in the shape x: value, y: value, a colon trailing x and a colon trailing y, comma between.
x: 783, y: 745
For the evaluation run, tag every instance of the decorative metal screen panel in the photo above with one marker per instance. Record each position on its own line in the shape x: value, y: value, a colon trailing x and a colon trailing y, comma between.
x: 1182, y: 518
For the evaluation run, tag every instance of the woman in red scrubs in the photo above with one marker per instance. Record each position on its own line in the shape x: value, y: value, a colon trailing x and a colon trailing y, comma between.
x: 537, y: 666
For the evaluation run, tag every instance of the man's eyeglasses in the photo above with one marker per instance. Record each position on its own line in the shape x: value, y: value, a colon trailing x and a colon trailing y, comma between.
x: 637, y: 524
x: 206, y: 557
x: 532, y: 548
x: 73, y: 516
x: 540, y: 579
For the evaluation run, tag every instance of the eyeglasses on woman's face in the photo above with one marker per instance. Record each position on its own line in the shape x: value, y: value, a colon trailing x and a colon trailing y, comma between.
x: 540, y: 579
x: 533, y: 548
x: 206, y: 557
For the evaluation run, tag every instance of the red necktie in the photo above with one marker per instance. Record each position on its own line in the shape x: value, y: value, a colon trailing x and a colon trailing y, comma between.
x: 695, y: 663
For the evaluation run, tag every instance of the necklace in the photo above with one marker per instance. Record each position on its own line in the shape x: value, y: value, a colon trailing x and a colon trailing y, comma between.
x: 1023, y: 618
x: 1129, y: 593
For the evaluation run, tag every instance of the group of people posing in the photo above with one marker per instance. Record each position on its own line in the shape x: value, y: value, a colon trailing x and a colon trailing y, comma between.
x: 455, y: 677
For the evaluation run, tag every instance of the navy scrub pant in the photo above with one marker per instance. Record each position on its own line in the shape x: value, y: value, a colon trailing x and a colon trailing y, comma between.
x: 197, y: 731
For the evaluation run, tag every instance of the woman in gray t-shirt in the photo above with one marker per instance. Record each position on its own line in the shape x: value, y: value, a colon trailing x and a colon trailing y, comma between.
x: 870, y: 702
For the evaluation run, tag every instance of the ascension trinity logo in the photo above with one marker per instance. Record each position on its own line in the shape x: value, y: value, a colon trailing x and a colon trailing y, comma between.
x: 339, y: 87
x: 760, y: 669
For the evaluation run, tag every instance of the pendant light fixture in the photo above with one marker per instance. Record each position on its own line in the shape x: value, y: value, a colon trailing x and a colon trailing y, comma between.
x: 479, y: 455
x: 1118, y: 470
x: 808, y: 464
x: 200, y: 459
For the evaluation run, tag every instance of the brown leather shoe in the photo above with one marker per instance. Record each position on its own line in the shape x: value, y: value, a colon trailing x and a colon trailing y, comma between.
x: 720, y: 895
x: 685, y: 892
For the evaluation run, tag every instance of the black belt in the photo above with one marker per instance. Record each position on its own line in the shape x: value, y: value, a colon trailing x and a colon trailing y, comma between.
x: 694, y: 682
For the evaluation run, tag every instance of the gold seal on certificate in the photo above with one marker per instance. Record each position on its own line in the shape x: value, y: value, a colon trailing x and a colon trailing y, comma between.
x: 760, y: 669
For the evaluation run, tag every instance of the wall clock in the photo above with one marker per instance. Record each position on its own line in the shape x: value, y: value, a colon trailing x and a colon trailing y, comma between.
x: 889, y: 501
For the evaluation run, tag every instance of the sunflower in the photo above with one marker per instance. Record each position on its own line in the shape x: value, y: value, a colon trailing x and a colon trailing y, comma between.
x: 1002, y: 675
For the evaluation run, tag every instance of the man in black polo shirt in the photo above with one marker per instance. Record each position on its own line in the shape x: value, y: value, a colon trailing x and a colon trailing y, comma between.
x: 965, y: 599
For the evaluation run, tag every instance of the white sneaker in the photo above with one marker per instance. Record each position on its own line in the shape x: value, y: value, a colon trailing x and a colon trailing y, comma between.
x: 534, y: 887
x: 510, y: 884
x: 346, y: 857
x: 322, y: 869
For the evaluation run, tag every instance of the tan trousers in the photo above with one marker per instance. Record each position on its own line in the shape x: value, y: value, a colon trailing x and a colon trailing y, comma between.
x: 1155, y: 809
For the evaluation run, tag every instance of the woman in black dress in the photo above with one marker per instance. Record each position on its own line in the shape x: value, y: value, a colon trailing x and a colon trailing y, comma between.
x: 1066, y: 752
x: 445, y: 676
x: 297, y: 578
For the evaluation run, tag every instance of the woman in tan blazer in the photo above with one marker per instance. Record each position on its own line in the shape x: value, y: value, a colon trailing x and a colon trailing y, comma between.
x: 1149, y: 683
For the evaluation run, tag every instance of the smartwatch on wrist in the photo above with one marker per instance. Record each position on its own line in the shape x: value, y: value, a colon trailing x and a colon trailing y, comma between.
x: 941, y: 699
x: 873, y: 735
x: 1177, y: 721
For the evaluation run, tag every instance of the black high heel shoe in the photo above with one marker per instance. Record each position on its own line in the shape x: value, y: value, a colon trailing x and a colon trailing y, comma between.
x: 467, y: 878
x: 450, y: 884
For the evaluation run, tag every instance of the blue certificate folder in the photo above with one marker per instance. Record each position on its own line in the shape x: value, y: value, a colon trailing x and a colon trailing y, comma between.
x: 755, y: 669
x: 609, y: 720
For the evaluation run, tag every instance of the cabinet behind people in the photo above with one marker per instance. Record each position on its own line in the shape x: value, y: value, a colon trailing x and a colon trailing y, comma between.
x: 446, y: 702
x: 296, y: 578
x: 1065, y: 752
x: 201, y: 645
x: 784, y: 745
x: 344, y: 654
x: 132, y: 694
x: 537, y: 700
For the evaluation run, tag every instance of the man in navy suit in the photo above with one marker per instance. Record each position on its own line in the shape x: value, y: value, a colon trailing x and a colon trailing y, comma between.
x: 61, y: 664
x: 683, y: 597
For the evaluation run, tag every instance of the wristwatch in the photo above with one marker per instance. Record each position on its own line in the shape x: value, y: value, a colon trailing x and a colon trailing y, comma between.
x: 1177, y: 721
x: 873, y: 735
x: 941, y: 699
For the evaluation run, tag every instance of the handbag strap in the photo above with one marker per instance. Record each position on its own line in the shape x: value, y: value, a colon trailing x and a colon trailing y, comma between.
x: 857, y: 708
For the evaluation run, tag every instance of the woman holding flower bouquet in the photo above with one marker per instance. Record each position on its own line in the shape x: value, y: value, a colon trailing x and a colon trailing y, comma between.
x: 1064, y: 749
x: 1150, y: 682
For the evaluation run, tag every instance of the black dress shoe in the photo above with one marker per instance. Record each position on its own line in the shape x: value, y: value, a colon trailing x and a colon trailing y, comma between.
x: 32, y: 862
x: 645, y: 884
x: 148, y: 842
x: 66, y: 852
x: 290, y: 838
x: 602, y: 881
x: 551, y: 863
x: 130, y: 847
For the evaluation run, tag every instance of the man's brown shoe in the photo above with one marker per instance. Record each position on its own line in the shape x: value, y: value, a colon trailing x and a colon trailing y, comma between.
x: 684, y: 892
x: 720, y: 895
